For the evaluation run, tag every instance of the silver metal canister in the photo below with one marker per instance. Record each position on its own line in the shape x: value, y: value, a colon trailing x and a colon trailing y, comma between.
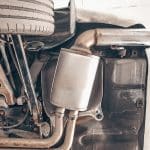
x: 73, y: 80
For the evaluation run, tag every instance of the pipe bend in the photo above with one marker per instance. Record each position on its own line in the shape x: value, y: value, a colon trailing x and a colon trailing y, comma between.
x: 37, y: 143
x: 69, y: 131
x: 85, y: 41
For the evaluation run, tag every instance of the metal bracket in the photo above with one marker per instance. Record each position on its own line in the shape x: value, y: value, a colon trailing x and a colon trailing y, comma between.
x: 95, y: 113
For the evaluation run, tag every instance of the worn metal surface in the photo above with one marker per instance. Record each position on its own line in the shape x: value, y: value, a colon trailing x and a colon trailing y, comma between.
x: 5, y: 88
x: 104, y: 135
x: 125, y: 83
x: 121, y: 127
x: 8, y: 68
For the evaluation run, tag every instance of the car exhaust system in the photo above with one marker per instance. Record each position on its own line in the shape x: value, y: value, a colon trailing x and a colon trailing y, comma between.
x: 73, y: 81
x: 107, y: 37
x: 71, y: 90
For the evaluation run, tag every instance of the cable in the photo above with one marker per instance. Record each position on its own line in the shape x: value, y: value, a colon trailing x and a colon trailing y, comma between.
x: 18, y: 124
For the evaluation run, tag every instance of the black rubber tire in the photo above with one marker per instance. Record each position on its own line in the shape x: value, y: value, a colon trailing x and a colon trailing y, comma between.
x: 31, y: 17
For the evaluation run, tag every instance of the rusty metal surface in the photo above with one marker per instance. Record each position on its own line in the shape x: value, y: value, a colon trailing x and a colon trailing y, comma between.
x: 5, y: 88
x: 125, y: 96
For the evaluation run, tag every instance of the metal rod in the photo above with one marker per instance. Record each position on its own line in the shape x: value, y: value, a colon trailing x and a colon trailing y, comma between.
x: 2, y: 48
x: 10, y: 46
x: 25, y: 73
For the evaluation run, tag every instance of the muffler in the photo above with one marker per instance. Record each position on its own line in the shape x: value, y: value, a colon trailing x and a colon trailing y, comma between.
x: 73, y: 80
x: 72, y: 86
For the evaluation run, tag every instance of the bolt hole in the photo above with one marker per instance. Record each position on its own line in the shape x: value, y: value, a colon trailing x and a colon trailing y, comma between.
x: 134, y: 53
x: 98, y: 116
x: 97, y: 111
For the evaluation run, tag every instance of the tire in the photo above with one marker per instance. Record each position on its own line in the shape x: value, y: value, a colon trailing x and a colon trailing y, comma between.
x: 30, y: 17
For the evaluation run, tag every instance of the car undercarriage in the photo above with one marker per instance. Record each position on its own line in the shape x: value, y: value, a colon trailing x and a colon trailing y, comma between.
x: 74, y: 85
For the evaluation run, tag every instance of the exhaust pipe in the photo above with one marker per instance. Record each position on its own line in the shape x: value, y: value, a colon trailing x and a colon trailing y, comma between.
x: 47, y: 143
x: 37, y: 143
x: 105, y: 37
x: 73, y: 115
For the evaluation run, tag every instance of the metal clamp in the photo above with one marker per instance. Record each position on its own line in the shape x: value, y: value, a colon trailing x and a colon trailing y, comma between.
x: 96, y: 114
